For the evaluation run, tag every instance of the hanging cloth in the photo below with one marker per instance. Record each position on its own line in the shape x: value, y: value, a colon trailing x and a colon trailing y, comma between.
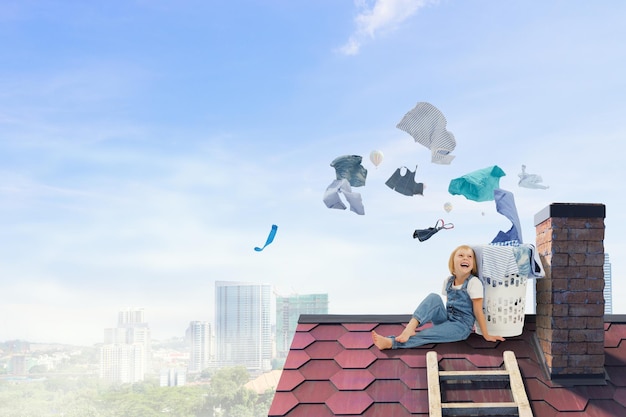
x: 405, y: 184
x: 425, y: 234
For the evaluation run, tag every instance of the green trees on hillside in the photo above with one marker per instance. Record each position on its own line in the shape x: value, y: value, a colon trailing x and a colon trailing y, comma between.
x: 224, y: 396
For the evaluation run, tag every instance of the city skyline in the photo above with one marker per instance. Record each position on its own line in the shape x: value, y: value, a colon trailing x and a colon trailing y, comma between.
x: 146, y: 148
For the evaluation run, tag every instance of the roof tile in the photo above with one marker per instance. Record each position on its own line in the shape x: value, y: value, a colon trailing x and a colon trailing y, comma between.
x: 620, y: 396
x: 415, y: 379
x: 388, y: 329
x: 296, y: 359
x: 598, y: 392
x: 324, y: 350
x: 387, y: 409
x: 312, y: 392
x: 289, y: 379
x: 388, y: 368
x: 536, y: 390
x: 356, y: 340
x: 360, y: 327
x: 301, y: 340
x: 387, y: 390
x: 305, y: 327
x: 615, y: 356
x: 349, y: 402
x: 457, y: 364
x: 486, y: 359
x: 617, y: 375
x: 319, y: 370
x: 352, y: 379
x: 613, y: 335
x: 601, y: 408
x: 414, y: 358
x: 355, y: 358
x: 542, y: 409
x: 416, y: 401
x: 564, y: 399
x: 328, y: 332
x: 309, y: 410
x: 282, y: 403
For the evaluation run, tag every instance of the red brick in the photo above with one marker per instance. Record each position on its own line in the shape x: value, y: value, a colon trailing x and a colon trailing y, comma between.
x: 567, y: 323
x: 586, y: 360
x: 595, y: 348
x: 594, y: 259
x: 587, y: 310
x: 576, y: 259
x: 579, y: 335
x: 559, y: 259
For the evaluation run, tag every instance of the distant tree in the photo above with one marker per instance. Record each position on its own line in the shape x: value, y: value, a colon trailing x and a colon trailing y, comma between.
x: 149, y: 400
x: 228, y: 397
x: 264, y: 402
x: 38, y: 369
x: 207, y: 373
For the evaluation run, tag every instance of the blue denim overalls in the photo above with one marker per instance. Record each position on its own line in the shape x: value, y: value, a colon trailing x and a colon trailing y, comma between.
x: 451, y: 323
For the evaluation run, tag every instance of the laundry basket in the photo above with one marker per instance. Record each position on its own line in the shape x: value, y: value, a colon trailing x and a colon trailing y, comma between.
x: 504, y: 305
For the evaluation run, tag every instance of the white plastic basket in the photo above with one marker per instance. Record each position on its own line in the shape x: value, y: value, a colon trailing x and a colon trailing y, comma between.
x: 504, y: 305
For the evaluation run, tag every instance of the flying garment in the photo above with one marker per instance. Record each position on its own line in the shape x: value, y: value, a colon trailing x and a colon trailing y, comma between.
x: 270, y: 238
x: 530, y: 180
x: 425, y: 234
x: 405, y: 184
x: 505, y: 205
x: 477, y: 185
x: 349, y: 167
x: 427, y: 125
x: 333, y: 200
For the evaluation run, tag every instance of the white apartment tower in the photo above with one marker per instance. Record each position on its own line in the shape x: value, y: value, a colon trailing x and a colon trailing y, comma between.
x: 198, y: 335
x: 242, y: 325
x: 126, y: 354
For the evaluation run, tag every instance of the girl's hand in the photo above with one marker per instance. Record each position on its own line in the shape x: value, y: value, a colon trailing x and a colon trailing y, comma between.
x: 490, y: 338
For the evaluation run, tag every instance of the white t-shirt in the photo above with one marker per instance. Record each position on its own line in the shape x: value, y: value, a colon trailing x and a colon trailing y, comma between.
x: 474, y: 288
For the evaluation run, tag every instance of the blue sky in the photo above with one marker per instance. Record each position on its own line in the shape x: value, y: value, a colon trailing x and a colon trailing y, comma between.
x: 146, y: 147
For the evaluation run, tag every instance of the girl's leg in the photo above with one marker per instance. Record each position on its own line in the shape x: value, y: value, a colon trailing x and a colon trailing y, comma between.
x: 430, y: 309
x: 448, y: 331
x: 408, y: 331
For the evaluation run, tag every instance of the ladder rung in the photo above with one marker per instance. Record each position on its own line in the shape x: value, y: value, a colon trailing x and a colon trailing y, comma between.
x: 486, y: 409
x: 492, y: 375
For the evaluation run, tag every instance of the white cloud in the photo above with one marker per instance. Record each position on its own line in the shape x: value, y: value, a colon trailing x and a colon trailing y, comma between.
x: 379, y: 16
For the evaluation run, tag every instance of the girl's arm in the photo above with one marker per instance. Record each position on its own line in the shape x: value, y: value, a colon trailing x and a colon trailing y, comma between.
x: 482, y: 323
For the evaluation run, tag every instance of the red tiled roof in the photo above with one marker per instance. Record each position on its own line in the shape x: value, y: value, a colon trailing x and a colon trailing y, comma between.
x: 333, y: 369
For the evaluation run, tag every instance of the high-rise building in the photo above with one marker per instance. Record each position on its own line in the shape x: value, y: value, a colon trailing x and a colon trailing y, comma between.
x: 288, y: 310
x: 122, y: 363
x: 608, y: 288
x: 242, y: 325
x: 172, y: 377
x: 126, y: 354
x: 198, y: 335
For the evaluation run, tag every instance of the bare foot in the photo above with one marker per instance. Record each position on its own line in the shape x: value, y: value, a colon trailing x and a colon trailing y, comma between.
x: 406, y: 333
x: 381, y: 342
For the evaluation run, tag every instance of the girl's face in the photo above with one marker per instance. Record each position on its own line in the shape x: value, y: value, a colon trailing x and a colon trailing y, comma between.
x: 464, y: 261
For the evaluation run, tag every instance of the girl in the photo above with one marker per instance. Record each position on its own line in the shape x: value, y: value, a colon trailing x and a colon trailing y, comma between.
x: 451, y: 322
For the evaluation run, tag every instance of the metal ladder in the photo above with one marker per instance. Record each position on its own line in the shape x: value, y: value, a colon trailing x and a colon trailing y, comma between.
x: 519, y: 407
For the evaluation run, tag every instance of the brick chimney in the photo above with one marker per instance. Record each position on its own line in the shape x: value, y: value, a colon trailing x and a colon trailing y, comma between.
x: 570, y: 299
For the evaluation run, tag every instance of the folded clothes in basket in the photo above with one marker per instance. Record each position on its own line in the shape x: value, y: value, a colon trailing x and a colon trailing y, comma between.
x: 498, y: 261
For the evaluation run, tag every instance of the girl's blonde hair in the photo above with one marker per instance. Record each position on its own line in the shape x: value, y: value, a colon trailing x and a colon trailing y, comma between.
x: 451, y: 260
